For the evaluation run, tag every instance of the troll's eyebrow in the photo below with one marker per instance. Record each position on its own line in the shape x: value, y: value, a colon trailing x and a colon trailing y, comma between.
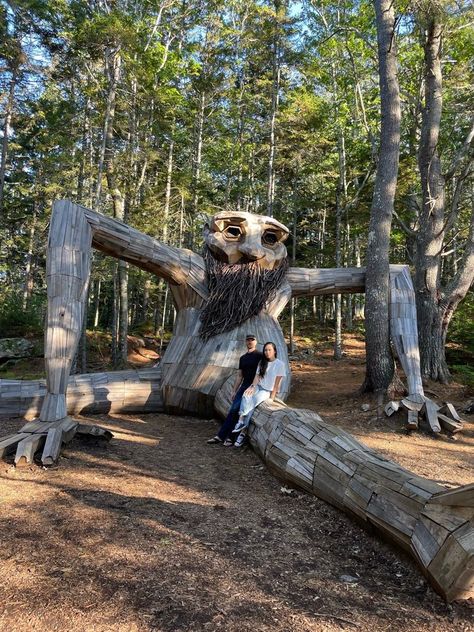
x: 275, y: 228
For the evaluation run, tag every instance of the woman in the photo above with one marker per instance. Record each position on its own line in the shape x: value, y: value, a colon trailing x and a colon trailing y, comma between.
x: 266, y: 384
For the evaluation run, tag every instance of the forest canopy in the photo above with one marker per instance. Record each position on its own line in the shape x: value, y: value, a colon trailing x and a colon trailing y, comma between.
x: 161, y: 113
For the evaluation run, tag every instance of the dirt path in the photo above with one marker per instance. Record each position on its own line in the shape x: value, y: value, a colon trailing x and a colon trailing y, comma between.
x: 158, y: 531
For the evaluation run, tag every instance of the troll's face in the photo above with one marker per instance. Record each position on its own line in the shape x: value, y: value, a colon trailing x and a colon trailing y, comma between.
x: 246, y: 264
x: 239, y: 238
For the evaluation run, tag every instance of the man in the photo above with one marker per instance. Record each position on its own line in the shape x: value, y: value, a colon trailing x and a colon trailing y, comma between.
x: 248, y: 364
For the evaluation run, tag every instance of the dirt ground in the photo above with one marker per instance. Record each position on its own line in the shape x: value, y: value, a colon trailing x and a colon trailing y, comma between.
x: 157, y: 531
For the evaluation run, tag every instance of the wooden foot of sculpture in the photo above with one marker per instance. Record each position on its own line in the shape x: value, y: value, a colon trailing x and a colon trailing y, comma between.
x: 47, y: 438
x: 420, y: 408
x: 435, y: 525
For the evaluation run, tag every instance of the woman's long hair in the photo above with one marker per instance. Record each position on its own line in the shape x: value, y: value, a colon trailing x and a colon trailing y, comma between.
x: 264, y: 360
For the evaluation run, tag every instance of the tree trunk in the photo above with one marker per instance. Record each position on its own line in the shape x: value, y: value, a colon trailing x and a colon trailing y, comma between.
x: 380, y: 364
x: 114, y: 67
x: 6, y: 127
x: 293, y: 301
x: 169, y: 174
x: 430, y: 236
x: 276, y: 74
x: 29, y: 261
x: 84, y: 151
x: 197, y: 162
x: 96, y: 303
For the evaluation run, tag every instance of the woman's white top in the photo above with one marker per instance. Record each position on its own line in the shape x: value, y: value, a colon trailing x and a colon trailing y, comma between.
x: 274, y: 369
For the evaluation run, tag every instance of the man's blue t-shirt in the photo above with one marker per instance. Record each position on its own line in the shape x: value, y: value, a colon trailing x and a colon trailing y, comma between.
x: 248, y: 364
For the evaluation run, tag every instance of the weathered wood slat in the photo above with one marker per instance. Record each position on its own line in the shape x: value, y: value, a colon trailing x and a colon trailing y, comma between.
x: 8, y: 444
x: 430, y: 411
x: 449, y: 424
x: 52, y: 446
x: 27, y: 449
x: 402, y: 506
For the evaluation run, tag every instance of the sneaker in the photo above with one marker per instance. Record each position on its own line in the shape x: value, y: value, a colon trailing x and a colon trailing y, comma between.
x: 239, y: 442
x: 214, y: 440
x: 240, y: 425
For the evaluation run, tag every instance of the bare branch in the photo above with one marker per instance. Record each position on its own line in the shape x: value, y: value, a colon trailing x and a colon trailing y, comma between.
x: 454, y: 212
x: 406, y: 229
x: 466, y: 146
x: 457, y: 289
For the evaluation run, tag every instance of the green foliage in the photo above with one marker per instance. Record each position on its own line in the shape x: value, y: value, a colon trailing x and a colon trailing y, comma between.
x: 17, y: 321
x: 463, y: 373
x: 174, y: 56
x: 461, y: 330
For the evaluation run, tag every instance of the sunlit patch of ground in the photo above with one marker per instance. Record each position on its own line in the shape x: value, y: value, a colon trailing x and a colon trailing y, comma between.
x: 157, y: 531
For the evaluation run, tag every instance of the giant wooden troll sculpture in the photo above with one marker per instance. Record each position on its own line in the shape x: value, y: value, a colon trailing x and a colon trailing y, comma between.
x: 241, y: 284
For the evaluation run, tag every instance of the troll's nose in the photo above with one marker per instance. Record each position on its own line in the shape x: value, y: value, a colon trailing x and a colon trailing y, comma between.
x: 252, y: 249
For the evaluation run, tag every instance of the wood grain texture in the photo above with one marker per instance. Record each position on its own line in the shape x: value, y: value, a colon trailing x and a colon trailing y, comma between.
x: 195, y: 377
x: 434, y: 525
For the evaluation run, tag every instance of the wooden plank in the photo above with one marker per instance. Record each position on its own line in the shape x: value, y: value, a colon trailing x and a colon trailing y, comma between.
x: 460, y: 497
x: 35, y: 425
x: 450, y: 560
x: 52, y: 446
x: 412, y: 420
x: 413, y: 402
x: 449, y: 410
x: 8, y: 444
x: 27, y: 449
x: 449, y: 424
x: 445, y: 518
x: 430, y: 410
x: 69, y: 428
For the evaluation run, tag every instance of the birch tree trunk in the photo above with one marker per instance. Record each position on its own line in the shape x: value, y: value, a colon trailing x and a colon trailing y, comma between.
x: 169, y: 175
x: 197, y: 159
x: 276, y: 74
x: 29, y: 260
x: 6, y: 129
x: 380, y: 364
x: 114, y: 63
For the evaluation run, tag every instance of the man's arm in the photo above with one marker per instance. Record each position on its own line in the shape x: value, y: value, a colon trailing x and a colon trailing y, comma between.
x: 309, y: 282
x: 403, y: 325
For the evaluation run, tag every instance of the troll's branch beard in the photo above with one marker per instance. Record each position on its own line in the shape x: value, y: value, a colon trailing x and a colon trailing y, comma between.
x: 236, y: 293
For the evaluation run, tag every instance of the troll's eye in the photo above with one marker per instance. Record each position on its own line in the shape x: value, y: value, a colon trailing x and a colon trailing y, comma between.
x: 232, y: 233
x: 269, y: 238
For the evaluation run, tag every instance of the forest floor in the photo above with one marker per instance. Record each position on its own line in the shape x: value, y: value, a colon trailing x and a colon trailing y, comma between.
x: 157, y: 531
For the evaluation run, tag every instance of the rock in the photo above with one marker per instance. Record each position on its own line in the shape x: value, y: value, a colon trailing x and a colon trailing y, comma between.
x: 15, y: 348
x: 469, y: 410
x: 349, y: 579
x: 365, y: 407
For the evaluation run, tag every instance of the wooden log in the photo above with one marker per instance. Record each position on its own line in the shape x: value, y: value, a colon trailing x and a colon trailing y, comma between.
x: 403, y: 507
